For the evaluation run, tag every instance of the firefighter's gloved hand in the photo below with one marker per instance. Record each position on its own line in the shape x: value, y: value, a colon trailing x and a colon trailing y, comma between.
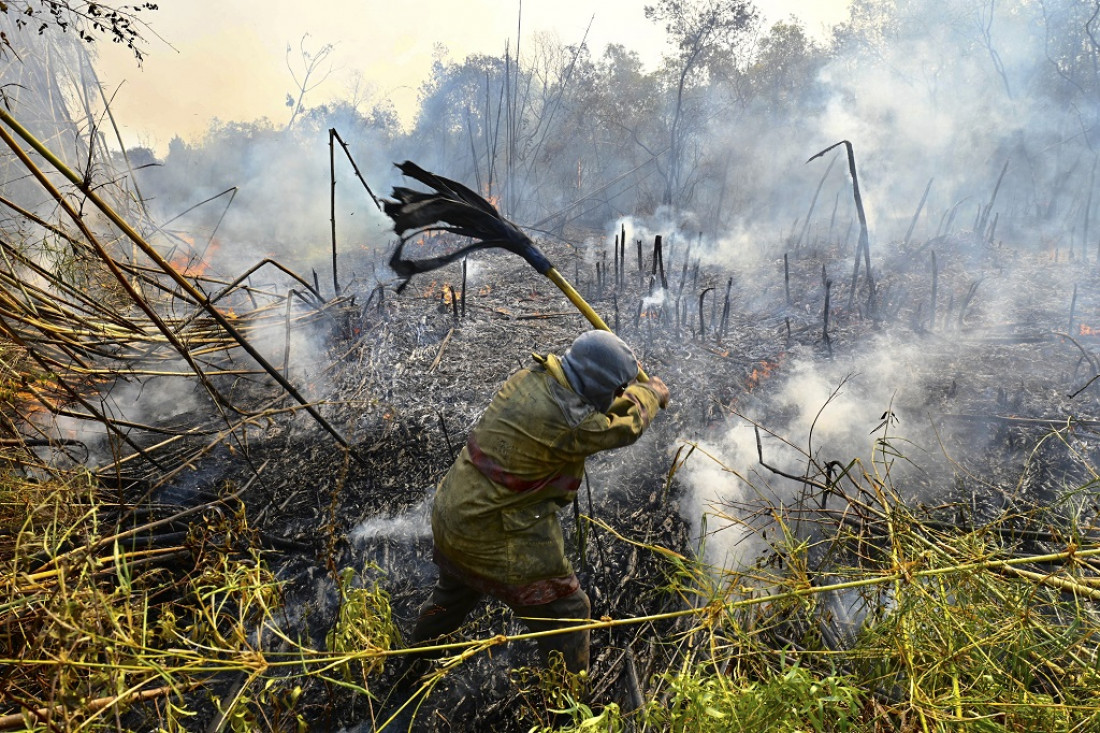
x: 658, y: 388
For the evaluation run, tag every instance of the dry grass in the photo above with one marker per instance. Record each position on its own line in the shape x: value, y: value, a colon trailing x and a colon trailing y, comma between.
x: 95, y: 618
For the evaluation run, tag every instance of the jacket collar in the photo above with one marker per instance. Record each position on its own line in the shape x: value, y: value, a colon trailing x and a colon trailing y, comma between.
x: 552, y: 364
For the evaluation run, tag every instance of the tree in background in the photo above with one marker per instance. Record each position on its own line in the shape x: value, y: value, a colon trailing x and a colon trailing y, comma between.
x: 612, y: 139
x: 721, y: 131
x: 87, y: 19
x: 315, y: 69
x: 700, y: 30
x: 1071, y: 77
x: 758, y: 97
x: 460, y: 123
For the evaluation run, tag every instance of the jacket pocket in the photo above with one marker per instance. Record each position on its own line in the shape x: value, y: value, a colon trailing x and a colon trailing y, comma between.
x: 525, y: 517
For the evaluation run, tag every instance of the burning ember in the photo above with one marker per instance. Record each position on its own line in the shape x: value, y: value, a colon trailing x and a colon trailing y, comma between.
x: 189, y: 261
x: 761, y: 373
x: 444, y: 291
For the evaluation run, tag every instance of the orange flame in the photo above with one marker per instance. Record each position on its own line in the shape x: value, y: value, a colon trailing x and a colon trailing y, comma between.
x: 762, y: 373
x: 187, y: 262
x: 1089, y: 330
x: 445, y: 291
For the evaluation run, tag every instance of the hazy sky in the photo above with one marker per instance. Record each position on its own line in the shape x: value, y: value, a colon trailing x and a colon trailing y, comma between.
x: 228, y: 59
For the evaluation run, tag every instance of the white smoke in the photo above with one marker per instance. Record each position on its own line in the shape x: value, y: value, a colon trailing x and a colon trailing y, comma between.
x: 828, y: 411
x: 413, y: 524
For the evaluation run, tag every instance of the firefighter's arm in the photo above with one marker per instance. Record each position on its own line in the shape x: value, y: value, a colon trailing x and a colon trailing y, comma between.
x: 629, y: 416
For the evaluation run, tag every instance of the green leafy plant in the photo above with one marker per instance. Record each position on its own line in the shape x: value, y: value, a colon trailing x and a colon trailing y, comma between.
x: 363, y: 623
x: 700, y: 700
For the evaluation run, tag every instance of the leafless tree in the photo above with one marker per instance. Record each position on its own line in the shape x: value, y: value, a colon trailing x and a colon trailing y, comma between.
x: 699, y: 29
x: 313, y: 64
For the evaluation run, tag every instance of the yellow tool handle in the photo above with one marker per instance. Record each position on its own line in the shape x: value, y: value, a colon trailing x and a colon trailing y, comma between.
x: 592, y: 316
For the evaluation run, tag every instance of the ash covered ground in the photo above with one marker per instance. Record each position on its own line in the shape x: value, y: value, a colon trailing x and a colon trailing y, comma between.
x: 981, y: 372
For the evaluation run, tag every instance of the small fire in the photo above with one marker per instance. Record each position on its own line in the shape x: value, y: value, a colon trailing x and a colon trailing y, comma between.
x: 444, y: 291
x: 188, y: 261
x: 762, y: 373
x: 35, y: 405
x: 1087, y: 330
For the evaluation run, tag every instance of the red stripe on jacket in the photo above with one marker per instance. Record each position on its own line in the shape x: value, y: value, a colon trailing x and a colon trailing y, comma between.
x: 498, y: 474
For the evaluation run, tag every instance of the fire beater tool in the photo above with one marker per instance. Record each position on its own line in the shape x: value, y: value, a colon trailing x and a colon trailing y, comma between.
x: 452, y: 207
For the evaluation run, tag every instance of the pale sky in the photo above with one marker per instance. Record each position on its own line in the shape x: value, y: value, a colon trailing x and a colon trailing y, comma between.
x: 227, y: 59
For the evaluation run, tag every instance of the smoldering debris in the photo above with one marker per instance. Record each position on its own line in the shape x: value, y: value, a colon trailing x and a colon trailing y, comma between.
x: 950, y: 378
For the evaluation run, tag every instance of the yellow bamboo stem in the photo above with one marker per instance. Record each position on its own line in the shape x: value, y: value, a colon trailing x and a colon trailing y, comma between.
x: 585, y: 309
x: 190, y: 289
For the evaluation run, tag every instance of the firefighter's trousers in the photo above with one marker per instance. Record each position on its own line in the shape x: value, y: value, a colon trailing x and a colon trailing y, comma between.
x: 452, y: 600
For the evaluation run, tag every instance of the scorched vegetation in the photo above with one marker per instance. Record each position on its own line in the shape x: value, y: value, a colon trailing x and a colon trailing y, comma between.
x: 866, y: 268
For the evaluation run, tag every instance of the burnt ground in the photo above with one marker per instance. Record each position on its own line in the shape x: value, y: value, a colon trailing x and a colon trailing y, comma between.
x: 406, y: 379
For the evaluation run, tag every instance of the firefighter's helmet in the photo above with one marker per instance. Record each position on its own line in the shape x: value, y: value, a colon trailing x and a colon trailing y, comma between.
x: 598, y: 365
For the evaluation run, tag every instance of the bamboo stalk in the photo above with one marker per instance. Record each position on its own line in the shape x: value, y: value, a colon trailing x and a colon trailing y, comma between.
x: 935, y: 286
x: 100, y: 250
x: 864, y: 244
x: 787, y: 277
x: 725, y: 312
x: 355, y: 169
x: 615, y: 253
x: 332, y: 205
x: 1072, y: 308
x: 150, y: 252
x: 702, y: 324
x: 987, y: 210
x: 813, y: 203
x: 442, y: 348
x: 659, y: 261
x: 622, y: 257
x: 1088, y: 213
x: 916, y: 214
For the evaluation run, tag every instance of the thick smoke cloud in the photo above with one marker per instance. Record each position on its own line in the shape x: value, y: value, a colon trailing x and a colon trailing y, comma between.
x: 944, y: 93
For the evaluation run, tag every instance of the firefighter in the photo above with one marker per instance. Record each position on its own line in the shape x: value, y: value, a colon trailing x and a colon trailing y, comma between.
x: 494, y: 520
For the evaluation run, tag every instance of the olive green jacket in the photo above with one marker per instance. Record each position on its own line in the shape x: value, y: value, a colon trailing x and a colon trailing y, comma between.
x: 495, y: 519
